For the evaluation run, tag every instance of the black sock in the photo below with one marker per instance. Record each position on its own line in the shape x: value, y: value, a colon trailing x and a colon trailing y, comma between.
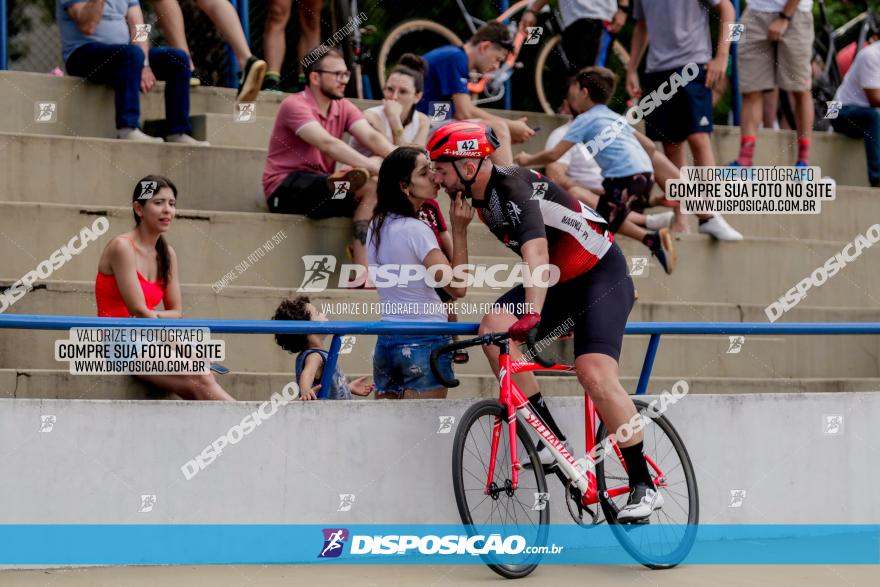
x: 636, y: 465
x: 651, y: 241
x: 544, y: 413
x: 704, y: 220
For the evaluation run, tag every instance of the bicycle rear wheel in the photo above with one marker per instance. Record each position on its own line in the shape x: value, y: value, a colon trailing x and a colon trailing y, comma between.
x: 512, y: 508
x: 666, y: 546
x: 413, y: 36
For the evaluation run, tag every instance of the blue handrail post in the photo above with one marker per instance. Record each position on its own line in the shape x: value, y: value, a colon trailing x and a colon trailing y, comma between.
x: 648, y: 365
x: 330, y: 366
x: 4, y: 37
x: 507, y: 100
x: 734, y: 73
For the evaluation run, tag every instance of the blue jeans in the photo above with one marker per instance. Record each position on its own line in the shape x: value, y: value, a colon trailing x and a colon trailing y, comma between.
x: 121, y: 65
x: 402, y: 362
x: 862, y: 122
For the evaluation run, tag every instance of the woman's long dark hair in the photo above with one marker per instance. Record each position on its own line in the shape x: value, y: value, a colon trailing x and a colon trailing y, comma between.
x: 394, y: 174
x: 417, y: 68
x: 162, y: 255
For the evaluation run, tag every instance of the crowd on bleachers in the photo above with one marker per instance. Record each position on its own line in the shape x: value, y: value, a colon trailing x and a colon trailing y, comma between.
x: 380, y: 177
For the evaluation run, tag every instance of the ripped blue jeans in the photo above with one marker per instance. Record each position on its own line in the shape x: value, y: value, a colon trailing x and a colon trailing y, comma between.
x: 404, y: 362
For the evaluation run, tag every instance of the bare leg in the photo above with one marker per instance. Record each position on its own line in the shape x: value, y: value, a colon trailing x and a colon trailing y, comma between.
x: 225, y: 18
x: 190, y: 387
x: 170, y: 19
x: 803, y: 113
x: 274, y: 44
x: 598, y: 374
x: 752, y: 113
x: 309, y: 27
x: 769, y: 107
x: 675, y: 155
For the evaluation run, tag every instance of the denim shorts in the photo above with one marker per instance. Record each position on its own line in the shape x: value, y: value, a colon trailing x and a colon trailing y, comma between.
x: 404, y: 362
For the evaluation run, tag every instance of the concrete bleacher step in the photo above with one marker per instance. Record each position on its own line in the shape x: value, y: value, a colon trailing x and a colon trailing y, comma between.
x: 58, y: 384
x: 772, y: 357
x: 85, y: 110
x: 212, y: 245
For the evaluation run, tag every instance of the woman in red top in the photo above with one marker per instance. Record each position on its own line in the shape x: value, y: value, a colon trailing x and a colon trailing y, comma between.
x: 138, y: 271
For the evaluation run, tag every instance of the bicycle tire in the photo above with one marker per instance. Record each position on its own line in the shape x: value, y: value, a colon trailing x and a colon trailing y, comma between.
x: 406, y: 28
x: 472, y: 415
x: 540, y: 62
x: 622, y: 532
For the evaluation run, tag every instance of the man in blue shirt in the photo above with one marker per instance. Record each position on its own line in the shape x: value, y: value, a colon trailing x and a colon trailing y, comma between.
x: 446, y: 95
x: 106, y: 41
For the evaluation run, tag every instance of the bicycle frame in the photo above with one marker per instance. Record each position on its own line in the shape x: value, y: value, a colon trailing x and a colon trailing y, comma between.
x: 517, y: 406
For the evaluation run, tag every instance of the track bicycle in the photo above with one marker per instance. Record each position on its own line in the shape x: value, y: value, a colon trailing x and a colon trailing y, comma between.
x: 493, y: 486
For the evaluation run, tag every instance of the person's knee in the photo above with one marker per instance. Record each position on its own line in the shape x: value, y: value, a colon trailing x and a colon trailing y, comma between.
x: 367, y: 192
x: 131, y: 55
x: 597, y: 380
x: 278, y: 13
x: 201, y: 385
x: 495, y: 322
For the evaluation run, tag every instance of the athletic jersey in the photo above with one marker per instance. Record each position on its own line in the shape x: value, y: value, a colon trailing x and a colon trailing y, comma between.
x: 522, y: 205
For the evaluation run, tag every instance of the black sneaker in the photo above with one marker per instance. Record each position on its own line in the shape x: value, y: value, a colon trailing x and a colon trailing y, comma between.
x: 251, y: 80
x: 643, y: 501
x: 663, y: 248
x: 272, y: 83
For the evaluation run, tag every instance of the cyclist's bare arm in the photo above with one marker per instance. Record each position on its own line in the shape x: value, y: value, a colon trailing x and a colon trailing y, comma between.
x: 545, y: 156
x: 535, y: 253
x: 315, y: 135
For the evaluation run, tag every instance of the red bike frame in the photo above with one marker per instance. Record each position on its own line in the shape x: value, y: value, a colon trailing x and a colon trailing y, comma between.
x: 516, y: 403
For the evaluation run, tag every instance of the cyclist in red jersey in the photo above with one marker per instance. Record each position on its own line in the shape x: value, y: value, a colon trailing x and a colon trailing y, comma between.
x: 544, y: 225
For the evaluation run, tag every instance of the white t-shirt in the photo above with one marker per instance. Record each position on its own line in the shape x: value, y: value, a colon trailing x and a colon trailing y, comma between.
x: 572, y: 10
x: 776, y: 5
x: 404, y: 241
x: 409, y: 131
x: 864, y: 73
x: 582, y: 168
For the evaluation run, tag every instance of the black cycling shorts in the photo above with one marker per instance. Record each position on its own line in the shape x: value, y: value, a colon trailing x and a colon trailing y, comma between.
x: 597, y: 302
x: 307, y: 193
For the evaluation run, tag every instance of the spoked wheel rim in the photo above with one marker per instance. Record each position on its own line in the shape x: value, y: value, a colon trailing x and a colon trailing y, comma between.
x: 503, y: 506
x: 671, y: 531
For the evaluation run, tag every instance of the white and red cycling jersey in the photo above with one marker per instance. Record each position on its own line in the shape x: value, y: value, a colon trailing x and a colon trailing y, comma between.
x: 521, y: 205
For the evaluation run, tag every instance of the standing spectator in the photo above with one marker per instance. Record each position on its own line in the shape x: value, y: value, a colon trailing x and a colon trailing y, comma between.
x: 98, y: 42
x: 399, y: 239
x: 859, y: 116
x: 312, y: 356
x: 306, y: 144
x: 584, y: 23
x: 397, y: 118
x: 138, y: 270
x: 775, y: 51
x: 225, y: 18
x: 274, y: 40
x: 679, y: 36
x: 449, y: 70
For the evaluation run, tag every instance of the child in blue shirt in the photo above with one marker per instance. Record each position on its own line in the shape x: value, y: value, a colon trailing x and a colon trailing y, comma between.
x: 613, y: 143
x: 312, y: 356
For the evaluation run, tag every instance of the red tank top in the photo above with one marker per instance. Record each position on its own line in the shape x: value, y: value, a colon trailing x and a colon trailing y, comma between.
x: 110, y: 302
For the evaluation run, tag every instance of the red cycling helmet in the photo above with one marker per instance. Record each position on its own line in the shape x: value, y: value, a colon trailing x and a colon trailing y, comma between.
x: 462, y: 140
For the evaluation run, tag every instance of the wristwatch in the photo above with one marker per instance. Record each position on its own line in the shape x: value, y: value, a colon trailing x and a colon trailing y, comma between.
x: 784, y: 16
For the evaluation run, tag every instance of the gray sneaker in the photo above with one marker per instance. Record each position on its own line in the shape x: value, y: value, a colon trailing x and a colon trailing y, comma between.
x: 643, y: 501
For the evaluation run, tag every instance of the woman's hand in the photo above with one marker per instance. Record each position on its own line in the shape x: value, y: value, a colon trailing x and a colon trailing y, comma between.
x: 306, y: 393
x: 393, y: 110
x: 360, y: 387
x: 460, y: 213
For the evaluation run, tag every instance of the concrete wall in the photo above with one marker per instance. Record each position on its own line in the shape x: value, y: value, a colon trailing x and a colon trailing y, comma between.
x: 102, y: 456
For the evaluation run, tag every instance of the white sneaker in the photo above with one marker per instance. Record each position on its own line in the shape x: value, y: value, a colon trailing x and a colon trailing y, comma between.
x: 643, y: 501
x: 136, y: 134
x: 655, y: 222
x: 719, y: 228
x: 186, y: 140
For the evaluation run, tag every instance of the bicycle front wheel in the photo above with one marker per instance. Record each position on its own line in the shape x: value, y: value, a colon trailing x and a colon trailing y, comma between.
x: 414, y: 36
x: 670, y: 533
x: 524, y: 510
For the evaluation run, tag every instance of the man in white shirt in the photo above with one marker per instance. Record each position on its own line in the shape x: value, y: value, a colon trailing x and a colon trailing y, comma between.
x: 859, y: 115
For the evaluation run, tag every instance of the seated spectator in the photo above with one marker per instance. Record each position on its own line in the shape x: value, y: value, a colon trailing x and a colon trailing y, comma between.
x: 313, y: 356
x: 225, y: 18
x: 398, y: 239
x: 626, y: 166
x: 274, y: 41
x: 97, y: 44
x: 397, y: 118
x: 859, y: 116
x: 306, y: 144
x: 449, y: 70
x: 138, y: 271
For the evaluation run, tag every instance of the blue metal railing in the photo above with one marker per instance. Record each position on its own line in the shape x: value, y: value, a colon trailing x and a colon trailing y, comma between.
x: 338, y: 329
x: 243, y: 9
x: 4, y: 36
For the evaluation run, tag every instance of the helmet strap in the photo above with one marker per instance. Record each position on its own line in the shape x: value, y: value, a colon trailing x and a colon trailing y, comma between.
x: 470, y: 182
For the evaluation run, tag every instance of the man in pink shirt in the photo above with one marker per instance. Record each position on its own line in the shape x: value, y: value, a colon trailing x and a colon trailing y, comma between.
x: 307, y: 142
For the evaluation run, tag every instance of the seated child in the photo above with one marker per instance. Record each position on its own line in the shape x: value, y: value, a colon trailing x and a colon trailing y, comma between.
x: 312, y: 355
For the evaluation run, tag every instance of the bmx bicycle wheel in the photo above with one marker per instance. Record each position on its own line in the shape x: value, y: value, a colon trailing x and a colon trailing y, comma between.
x: 514, y: 509
x: 668, y: 537
x: 420, y: 37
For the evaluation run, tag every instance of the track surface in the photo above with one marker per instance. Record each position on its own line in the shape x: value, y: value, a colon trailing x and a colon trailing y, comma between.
x: 426, y: 576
